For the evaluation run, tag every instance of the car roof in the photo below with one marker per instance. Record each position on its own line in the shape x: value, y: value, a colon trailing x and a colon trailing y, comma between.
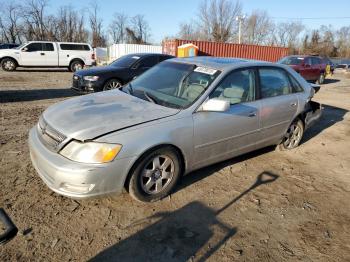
x: 149, y: 54
x: 221, y: 63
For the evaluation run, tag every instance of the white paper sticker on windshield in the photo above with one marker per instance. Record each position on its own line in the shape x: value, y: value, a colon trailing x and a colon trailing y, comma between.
x: 135, y: 57
x: 205, y: 70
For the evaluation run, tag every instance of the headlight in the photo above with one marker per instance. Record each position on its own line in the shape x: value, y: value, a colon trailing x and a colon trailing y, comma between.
x: 91, y: 78
x: 90, y: 152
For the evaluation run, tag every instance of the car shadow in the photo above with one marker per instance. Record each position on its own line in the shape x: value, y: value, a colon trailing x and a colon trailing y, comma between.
x: 330, y: 81
x: 8, y: 96
x: 197, y: 175
x: 330, y: 116
x: 44, y: 70
x: 191, y: 232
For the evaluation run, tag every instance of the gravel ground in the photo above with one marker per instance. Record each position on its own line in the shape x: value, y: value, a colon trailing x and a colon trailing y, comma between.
x: 301, y: 211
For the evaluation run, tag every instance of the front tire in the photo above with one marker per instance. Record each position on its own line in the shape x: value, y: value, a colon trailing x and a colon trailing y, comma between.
x: 8, y: 64
x: 76, y: 65
x: 293, y: 136
x: 112, y: 84
x: 155, y: 175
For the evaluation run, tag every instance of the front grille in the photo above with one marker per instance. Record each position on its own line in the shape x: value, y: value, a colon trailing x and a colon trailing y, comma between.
x: 49, y: 136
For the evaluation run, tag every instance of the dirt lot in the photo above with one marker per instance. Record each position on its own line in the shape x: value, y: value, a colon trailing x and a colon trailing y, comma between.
x: 218, y: 213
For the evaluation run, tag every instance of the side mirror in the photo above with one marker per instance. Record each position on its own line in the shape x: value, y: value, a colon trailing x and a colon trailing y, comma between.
x: 24, y: 49
x: 215, y: 105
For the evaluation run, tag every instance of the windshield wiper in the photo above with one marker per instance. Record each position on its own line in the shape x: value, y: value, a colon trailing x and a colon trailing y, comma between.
x: 150, y: 98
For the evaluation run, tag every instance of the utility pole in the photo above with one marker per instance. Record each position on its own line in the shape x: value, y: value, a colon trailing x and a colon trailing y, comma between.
x: 240, y: 19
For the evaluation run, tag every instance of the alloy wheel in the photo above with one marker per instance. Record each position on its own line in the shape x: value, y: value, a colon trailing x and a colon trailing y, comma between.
x: 9, y: 65
x: 114, y: 84
x: 293, y: 136
x: 157, y: 174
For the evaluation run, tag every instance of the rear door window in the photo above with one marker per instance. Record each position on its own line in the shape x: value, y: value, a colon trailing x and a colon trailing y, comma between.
x: 295, y: 85
x: 307, y: 61
x: 273, y: 82
x: 48, y: 47
x: 315, y: 61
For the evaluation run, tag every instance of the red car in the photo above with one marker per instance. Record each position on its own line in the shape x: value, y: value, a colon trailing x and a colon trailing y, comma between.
x: 312, y: 68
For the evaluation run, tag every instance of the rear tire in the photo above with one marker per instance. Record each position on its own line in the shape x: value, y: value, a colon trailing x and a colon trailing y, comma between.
x: 8, y: 64
x: 76, y: 65
x: 321, y: 79
x: 293, y: 136
x: 155, y: 175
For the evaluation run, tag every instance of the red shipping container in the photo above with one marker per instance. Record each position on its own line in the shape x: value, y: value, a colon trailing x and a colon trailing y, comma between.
x: 266, y: 53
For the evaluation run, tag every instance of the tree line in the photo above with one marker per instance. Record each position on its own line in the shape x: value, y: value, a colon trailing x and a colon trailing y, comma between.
x: 218, y: 20
x: 28, y: 20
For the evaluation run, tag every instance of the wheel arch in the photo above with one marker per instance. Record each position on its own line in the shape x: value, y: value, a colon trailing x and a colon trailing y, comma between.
x: 113, y: 77
x: 147, y: 151
x: 14, y: 59
x: 76, y: 59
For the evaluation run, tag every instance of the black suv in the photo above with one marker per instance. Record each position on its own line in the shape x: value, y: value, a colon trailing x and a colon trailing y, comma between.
x: 116, y: 74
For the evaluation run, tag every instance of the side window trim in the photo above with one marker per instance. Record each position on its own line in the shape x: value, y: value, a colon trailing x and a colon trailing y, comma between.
x: 252, y: 69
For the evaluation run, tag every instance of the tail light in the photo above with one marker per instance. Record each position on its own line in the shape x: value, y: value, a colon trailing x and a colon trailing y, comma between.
x: 93, y: 56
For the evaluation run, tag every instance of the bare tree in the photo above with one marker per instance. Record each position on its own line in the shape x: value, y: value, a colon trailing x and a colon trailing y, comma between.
x: 139, y: 31
x: 257, y: 28
x: 343, y: 41
x: 189, y: 31
x: 34, y: 15
x: 117, y: 28
x: 288, y: 33
x: 70, y: 25
x: 10, y: 18
x: 217, y: 19
x: 98, y: 38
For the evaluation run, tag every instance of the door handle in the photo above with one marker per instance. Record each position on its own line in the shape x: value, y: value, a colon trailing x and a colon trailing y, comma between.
x: 42, y: 53
x: 293, y: 104
x: 252, y: 114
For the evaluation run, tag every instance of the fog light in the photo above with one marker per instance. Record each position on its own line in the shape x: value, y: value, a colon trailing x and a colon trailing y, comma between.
x: 79, y: 189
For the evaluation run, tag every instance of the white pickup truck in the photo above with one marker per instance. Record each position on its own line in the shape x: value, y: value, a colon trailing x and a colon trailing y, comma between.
x: 74, y: 56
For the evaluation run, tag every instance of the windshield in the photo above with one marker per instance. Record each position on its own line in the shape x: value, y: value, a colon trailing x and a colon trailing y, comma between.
x: 291, y: 60
x: 19, y: 47
x: 125, y: 61
x: 172, y: 84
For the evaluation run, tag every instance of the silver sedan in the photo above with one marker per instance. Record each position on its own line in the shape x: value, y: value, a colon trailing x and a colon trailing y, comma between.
x: 181, y: 115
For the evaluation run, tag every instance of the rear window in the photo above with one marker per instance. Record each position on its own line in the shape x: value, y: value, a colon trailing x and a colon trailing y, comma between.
x: 291, y: 60
x: 75, y: 47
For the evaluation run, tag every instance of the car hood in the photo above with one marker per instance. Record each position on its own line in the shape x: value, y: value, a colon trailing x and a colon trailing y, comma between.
x: 90, y: 116
x: 98, y: 70
x: 4, y: 52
